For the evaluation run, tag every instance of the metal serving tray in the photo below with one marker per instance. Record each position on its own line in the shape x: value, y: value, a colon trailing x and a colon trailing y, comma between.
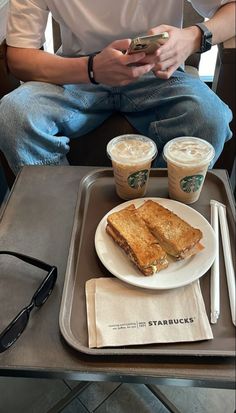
x: 95, y: 198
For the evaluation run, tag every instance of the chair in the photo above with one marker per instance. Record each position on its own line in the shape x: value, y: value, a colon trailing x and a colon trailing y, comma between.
x: 80, y: 149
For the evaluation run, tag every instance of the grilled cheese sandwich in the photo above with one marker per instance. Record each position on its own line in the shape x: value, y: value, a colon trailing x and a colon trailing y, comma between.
x: 130, y: 232
x: 176, y: 237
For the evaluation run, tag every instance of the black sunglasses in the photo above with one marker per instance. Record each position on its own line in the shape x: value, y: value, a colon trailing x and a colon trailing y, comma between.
x: 13, y: 331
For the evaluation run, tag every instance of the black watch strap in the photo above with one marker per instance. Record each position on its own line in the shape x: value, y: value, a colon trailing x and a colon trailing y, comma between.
x: 90, y: 69
x: 206, y: 40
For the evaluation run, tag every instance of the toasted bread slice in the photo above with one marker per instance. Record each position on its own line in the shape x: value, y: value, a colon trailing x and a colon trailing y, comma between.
x: 130, y: 232
x: 175, y: 236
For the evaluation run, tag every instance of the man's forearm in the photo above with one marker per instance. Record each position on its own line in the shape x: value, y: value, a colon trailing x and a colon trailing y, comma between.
x: 111, y: 66
x: 222, y: 24
x: 31, y: 64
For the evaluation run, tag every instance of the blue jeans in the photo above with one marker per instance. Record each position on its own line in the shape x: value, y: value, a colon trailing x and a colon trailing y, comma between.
x: 38, y: 119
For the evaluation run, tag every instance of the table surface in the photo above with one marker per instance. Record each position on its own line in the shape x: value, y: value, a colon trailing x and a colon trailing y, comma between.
x: 37, y: 220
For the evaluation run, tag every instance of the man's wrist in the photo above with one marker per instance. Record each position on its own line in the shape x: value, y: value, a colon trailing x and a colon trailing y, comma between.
x: 196, y: 38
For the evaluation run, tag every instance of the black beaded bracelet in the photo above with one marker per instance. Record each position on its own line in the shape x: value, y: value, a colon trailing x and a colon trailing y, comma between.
x: 90, y: 69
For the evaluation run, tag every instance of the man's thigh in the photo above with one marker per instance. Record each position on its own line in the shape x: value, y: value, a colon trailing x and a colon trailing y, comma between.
x: 180, y: 106
x: 152, y: 99
x: 53, y: 109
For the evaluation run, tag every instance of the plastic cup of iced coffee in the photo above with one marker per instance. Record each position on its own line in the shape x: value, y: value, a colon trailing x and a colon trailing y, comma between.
x: 131, y: 156
x: 188, y: 159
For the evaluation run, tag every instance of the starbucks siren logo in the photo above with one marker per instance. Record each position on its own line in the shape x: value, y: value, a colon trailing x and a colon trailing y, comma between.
x: 138, y: 179
x: 191, y: 183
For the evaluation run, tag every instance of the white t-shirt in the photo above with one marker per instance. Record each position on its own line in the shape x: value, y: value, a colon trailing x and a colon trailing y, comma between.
x: 89, y: 25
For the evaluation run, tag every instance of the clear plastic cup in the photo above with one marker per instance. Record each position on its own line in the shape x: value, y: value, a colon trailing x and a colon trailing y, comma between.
x: 131, y: 157
x: 188, y: 159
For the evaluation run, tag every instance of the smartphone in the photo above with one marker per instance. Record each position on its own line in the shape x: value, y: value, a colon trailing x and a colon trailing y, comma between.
x: 147, y: 44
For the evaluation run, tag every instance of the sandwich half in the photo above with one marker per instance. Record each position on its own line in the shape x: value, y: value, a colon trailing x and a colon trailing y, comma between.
x: 130, y: 232
x: 176, y: 237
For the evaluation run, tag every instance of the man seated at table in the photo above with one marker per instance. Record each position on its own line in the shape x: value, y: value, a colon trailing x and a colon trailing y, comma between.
x: 65, y: 96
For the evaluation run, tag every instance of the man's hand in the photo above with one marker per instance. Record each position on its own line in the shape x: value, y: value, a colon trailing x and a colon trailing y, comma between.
x: 181, y: 43
x: 112, y: 67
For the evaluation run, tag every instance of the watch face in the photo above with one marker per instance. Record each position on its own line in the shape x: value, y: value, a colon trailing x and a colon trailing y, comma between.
x: 208, y: 41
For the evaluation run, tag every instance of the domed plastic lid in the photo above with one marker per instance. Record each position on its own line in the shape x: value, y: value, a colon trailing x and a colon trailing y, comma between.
x: 188, y: 151
x: 131, y: 148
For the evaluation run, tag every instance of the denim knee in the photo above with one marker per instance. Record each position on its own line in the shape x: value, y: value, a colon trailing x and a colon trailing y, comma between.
x: 8, y: 132
x: 27, y: 129
x: 15, y: 113
x: 195, y: 116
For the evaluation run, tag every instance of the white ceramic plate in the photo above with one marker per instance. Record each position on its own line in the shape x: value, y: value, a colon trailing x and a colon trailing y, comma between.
x: 178, y: 273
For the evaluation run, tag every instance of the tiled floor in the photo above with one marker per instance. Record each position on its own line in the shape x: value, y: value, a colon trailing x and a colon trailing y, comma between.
x: 18, y: 395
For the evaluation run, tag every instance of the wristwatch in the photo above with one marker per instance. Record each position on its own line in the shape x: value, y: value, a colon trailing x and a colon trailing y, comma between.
x: 206, y: 40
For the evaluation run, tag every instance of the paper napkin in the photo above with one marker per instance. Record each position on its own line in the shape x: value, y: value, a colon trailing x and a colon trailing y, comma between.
x: 119, y: 314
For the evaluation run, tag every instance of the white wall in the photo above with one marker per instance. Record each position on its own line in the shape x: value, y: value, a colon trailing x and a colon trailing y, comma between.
x: 207, y: 64
x: 48, y: 45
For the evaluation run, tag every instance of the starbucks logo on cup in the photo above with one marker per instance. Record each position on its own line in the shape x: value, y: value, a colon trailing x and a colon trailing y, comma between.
x: 191, y: 183
x: 138, y: 179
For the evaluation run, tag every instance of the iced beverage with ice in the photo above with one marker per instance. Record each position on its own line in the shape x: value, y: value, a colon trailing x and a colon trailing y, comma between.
x: 131, y: 157
x: 188, y: 159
